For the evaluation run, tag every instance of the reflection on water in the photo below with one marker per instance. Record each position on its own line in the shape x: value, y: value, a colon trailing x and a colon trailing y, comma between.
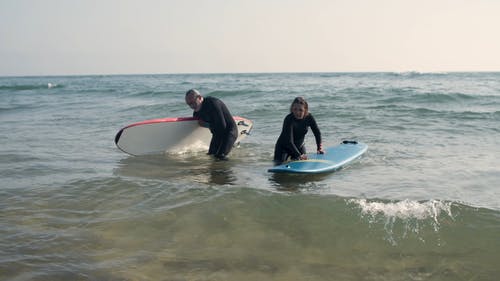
x: 294, y: 182
x: 197, y: 167
x: 221, y: 173
x: 190, y: 167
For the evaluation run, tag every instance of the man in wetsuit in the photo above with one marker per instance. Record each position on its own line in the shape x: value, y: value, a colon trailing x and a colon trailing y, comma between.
x: 214, y: 113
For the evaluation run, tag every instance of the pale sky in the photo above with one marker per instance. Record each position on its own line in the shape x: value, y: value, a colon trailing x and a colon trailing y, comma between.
x: 71, y: 37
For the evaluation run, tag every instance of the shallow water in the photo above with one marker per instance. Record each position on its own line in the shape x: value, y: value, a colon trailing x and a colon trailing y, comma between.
x: 422, y: 203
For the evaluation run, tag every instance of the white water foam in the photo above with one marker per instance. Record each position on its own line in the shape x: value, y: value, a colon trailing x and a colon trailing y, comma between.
x: 413, y: 215
x: 188, y: 149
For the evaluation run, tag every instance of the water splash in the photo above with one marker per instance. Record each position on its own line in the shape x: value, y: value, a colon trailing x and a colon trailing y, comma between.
x: 412, y: 216
x: 183, y: 149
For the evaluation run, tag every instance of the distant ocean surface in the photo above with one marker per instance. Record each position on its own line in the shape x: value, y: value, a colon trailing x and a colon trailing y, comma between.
x: 422, y: 204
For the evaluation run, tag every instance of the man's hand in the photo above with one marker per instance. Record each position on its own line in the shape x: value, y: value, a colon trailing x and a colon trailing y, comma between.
x: 204, y: 124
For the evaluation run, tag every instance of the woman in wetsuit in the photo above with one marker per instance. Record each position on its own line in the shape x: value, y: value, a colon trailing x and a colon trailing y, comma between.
x: 291, y: 140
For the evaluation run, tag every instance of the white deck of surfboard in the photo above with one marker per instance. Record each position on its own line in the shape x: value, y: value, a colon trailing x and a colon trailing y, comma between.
x: 170, y: 135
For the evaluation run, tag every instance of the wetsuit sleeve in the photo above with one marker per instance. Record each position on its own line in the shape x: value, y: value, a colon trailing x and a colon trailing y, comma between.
x: 219, y: 122
x: 316, y: 131
x: 201, y: 122
x: 288, y: 133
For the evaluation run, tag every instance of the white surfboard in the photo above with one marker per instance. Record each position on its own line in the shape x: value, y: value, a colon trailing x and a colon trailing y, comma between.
x: 170, y: 135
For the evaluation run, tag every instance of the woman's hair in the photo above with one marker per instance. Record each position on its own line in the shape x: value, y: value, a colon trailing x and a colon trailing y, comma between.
x: 301, y: 101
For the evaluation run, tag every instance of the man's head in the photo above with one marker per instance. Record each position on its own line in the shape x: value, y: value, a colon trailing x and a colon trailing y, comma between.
x: 194, y: 99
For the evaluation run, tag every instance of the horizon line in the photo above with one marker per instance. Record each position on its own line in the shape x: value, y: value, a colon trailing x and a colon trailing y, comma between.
x: 263, y: 72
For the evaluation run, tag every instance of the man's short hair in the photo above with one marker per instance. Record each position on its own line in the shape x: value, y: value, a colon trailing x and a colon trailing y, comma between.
x: 193, y: 92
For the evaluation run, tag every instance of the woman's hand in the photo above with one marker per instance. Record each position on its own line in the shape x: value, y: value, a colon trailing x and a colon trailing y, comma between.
x: 303, y: 157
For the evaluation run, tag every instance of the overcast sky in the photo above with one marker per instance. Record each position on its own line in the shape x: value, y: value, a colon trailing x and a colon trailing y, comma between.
x: 67, y: 37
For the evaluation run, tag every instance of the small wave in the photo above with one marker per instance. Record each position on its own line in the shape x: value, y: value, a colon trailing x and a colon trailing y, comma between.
x: 153, y: 93
x: 449, y: 113
x: 413, y: 73
x: 414, y: 216
x: 405, y: 209
x: 230, y: 93
x: 18, y: 107
x: 10, y: 158
x: 334, y: 74
x: 22, y: 87
x: 408, y: 95
x: 153, y: 110
x: 28, y: 87
x: 446, y: 97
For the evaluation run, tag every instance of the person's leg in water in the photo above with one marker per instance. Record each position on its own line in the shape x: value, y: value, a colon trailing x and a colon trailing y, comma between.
x: 280, y: 155
x: 214, y: 145
x: 226, y: 145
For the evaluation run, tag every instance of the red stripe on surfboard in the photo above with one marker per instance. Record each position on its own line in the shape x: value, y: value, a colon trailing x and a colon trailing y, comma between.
x: 172, y: 119
x: 161, y: 120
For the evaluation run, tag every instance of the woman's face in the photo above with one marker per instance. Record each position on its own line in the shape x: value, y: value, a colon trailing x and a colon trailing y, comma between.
x: 298, y: 111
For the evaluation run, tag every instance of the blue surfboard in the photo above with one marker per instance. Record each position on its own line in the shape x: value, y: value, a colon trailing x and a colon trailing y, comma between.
x: 335, y: 157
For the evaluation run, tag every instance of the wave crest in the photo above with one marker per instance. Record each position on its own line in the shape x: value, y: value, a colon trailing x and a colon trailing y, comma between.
x: 400, y: 219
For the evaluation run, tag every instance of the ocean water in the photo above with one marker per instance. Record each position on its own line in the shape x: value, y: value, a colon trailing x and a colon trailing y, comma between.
x: 422, y: 204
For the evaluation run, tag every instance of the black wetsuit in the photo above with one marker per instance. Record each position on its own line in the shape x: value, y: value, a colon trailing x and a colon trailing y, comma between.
x: 222, y: 125
x: 291, y: 139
